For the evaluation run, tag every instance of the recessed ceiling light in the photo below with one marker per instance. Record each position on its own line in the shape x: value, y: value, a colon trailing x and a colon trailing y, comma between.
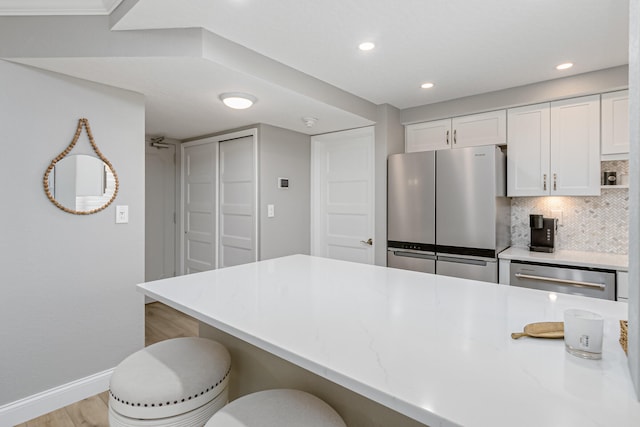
x: 564, y: 66
x: 237, y: 100
x: 426, y: 85
x: 366, y: 46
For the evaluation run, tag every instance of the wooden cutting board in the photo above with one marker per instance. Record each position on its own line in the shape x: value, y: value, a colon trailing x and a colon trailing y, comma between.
x: 541, y: 330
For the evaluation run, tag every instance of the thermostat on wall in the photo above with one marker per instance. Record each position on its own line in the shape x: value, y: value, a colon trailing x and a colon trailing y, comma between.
x: 283, y: 183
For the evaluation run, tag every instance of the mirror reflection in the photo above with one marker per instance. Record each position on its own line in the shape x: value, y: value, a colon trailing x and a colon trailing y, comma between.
x: 82, y: 183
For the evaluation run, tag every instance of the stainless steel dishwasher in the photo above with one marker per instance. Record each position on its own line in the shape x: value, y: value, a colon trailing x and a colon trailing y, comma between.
x: 590, y: 282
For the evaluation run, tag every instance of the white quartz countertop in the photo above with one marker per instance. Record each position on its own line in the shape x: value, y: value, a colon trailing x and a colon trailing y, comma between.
x: 577, y: 258
x: 435, y: 348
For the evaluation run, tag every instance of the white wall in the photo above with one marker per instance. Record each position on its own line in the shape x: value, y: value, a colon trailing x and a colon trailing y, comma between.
x: 634, y: 194
x: 284, y: 153
x: 68, y: 308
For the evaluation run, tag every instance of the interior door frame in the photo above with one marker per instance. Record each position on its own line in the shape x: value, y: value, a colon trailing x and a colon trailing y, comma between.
x: 253, y: 132
x: 177, y: 170
x: 316, y: 190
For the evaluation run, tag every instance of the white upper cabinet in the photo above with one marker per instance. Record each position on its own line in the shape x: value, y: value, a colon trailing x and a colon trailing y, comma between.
x: 615, y: 123
x: 480, y: 129
x: 465, y: 131
x: 529, y: 148
x: 575, y: 147
x: 428, y: 136
x: 554, y: 148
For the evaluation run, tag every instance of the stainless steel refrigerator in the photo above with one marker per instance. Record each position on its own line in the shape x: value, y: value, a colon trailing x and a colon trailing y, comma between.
x: 448, y: 212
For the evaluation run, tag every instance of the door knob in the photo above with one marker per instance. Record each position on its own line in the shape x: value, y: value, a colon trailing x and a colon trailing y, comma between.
x: 368, y: 242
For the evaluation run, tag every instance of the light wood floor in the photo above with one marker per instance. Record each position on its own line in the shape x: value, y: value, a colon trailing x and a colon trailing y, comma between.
x: 161, y: 323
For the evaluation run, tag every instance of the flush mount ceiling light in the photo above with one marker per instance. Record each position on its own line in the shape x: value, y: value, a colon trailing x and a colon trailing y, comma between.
x: 309, y: 121
x: 366, y: 46
x: 564, y: 66
x: 238, y: 100
x: 426, y: 85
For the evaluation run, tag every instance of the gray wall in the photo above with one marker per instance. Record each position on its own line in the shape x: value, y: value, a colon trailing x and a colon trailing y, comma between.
x: 283, y: 153
x: 389, y: 139
x: 567, y: 87
x: 69, y: 308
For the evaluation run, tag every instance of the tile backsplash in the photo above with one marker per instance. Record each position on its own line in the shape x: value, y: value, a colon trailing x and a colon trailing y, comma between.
x: 599, y: 224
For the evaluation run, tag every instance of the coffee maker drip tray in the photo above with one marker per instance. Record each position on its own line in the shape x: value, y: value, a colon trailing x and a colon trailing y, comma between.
x: 546, y: 249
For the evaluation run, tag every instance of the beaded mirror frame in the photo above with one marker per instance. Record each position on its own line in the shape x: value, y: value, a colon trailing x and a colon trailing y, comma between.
x: 82, y: 123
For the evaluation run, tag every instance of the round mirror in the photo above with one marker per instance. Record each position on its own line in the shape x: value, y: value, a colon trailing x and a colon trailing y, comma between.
x: 81, y: 184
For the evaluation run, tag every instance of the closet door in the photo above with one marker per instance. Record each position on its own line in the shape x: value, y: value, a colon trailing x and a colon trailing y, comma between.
x: 238, y: 201
x: 198, y: 246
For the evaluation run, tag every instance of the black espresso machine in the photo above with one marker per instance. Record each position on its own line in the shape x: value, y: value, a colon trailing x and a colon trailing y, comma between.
x: 543, y: 233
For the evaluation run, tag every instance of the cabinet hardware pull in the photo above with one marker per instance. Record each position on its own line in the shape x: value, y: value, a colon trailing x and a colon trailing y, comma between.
x: 574, y: 283
x: 555, y: 183
x: 447, y: 137
x: 455, y: 138
x: 544, y: 182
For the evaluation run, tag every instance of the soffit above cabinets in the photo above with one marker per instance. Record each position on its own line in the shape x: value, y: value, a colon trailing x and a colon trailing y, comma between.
x: 57, y: 7
x: 308, y: 50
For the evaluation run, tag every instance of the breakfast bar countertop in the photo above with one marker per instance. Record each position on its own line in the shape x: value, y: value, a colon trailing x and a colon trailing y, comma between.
x: 434, y: 348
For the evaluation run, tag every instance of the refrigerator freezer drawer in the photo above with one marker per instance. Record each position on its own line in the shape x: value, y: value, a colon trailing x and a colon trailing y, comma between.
x: 411, y: 260
x: 474, y: 269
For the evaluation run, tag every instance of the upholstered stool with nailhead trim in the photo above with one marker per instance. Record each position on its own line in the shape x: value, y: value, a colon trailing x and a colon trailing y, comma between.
x: 277, y: 408
x: 180, y: 382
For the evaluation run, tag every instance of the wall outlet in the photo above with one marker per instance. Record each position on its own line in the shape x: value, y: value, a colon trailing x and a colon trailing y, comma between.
x: 557, y: 213
x: 122, y: 214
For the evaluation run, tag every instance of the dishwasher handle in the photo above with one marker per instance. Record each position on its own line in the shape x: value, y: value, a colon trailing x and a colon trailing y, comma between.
x: 575, y: 283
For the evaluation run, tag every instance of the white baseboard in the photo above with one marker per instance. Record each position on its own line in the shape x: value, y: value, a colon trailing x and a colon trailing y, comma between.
x: 49, y: 400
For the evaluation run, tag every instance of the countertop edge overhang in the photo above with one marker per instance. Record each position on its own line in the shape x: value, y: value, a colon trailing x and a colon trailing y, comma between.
x: 602, y: 260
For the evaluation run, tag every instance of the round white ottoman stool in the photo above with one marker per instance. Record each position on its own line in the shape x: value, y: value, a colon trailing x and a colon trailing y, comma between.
x: 180, y: 382
x: 277, y: 408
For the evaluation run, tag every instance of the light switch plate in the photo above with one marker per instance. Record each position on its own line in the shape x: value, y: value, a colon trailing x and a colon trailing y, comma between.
x: 122, y: 214
x: 271, y: 212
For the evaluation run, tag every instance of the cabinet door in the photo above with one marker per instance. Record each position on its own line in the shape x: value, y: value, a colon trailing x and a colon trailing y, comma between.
x: 575, y: 147
x: 615, y: 122
x: 480, y: 129
x: 622, y: 288
x: 529, y: 150
x: 428, y: 136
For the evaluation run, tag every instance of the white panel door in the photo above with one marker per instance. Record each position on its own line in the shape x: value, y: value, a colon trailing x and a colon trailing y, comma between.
x: 160, y: 208
x: 343, y: 195
x: 575, y: 147
x: 198, y: 201
x: 529, y: 150
x: 238, y: 202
